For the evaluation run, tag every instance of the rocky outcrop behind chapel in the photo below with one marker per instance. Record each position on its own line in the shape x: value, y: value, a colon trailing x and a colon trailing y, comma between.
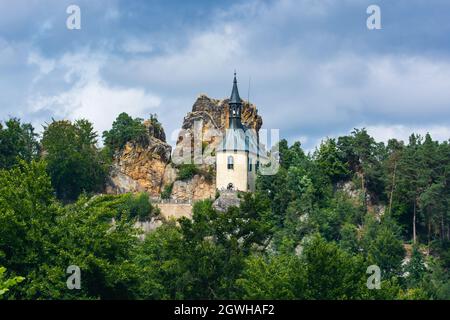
x: 152, y: 167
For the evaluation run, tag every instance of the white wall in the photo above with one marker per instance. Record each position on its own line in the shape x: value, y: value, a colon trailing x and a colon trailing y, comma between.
x: 251, y: 179
x: 237, y: 176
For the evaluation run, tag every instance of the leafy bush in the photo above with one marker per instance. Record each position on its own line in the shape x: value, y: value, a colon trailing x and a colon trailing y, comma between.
x: 5, y: 284
x: 125, y: 129
x: 167, y: 191
x: 17, y: 141
x: 139, y: 206
x: 187, y: 171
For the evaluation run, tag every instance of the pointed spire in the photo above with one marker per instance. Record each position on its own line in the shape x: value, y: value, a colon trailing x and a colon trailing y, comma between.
x: 235, y: 106
x: 235, y: 98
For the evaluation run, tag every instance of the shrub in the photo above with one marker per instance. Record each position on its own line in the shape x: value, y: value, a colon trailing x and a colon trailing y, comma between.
x: 133, y: 205
x: 187, y: 171
x: 125, y: 129
x: 139, y: 206
x: 167, y: 191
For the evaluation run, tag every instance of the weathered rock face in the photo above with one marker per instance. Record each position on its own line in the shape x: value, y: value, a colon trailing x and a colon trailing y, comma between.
x: 203, y: 127
x: 197, y: 188
x: 201, y: 133
x: 141, y: 167
x: 151, y: 167
x: 219, y: 112
x: 226, y: 200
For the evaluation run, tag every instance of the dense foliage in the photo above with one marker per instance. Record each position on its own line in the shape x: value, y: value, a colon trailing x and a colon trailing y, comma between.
x: 124, y: 129
x: 5, y: 284
x: 308, y: 232
x: 17, y: 141
x: 187, y: 171
x: 74, y: 163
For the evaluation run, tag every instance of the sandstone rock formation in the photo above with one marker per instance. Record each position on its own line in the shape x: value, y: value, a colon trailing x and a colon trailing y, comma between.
x: 150, y: 166
x: 211, y: 115
x: 202, y: 130
x: 141, y: 167
x: 196, y: 188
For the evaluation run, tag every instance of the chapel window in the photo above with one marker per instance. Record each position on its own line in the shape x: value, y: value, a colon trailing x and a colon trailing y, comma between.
x: 230, y: 163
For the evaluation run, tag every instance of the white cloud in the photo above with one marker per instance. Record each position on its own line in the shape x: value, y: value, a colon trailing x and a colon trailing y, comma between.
x: 134, y: 45
x: 206, y: 55
x: 401, y: 132
x: 45, y: 65
x: 90, y: 97
x: 294, y: 90
x: 300, y: 83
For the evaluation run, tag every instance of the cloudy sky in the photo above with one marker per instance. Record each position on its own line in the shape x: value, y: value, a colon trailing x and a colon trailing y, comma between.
x: 315, y: 68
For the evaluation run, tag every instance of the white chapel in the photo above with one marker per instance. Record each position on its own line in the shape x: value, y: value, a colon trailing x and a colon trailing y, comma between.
x: 238, y: 155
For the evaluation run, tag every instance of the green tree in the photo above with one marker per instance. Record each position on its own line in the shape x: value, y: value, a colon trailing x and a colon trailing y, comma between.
x: 382, y: 245
x: 86, y: 237
x: 415, y: 268
x: 74, y: 162
x: 17, y: 141
x: 27, y: 214
x: 436, y: 283
x: 364, y: 156
x: 163, y: 273
x: 331, y: 273
x: 330, y: 161
x: 273, y: 277
x: 187, y: 171
x: 39, y: 239
x: 6, y: 284
x: 125, y: 129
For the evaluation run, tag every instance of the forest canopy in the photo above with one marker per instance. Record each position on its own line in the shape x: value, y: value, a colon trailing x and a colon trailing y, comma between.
x: 308, y: 232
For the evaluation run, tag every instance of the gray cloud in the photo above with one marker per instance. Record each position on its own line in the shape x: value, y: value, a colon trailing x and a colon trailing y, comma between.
x: 316, y: 70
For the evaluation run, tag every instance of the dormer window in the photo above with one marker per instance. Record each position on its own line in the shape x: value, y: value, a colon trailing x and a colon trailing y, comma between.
x: 230, y: 163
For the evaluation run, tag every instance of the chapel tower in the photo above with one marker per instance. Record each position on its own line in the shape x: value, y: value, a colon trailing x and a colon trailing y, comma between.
x: 236, y: 155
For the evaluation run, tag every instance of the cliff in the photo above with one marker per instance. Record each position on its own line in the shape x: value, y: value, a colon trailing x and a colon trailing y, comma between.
x: 141, y: 166
x: 212, y: 117
x: 150, y: 166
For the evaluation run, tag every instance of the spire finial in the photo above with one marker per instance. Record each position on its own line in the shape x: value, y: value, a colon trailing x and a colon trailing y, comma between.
x: 235, y: 93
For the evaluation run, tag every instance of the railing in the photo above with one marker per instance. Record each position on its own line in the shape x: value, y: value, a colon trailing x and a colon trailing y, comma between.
x: 170, y: 201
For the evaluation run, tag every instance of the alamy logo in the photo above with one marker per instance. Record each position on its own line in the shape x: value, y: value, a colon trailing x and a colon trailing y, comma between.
x: 74, y: 280
x: 374, y: 280
x: 374, y: 20
x: 73, y: 21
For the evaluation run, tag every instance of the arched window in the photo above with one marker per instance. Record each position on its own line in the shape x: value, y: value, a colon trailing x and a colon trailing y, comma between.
x: 230, y: 163
x: 249, y: 164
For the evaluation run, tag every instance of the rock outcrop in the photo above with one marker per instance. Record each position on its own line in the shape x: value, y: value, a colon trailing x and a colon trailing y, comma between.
x: 150, y: 166
x: 196, y: 188
x: 226, y: 200
x: 202, y: 130
x: 142, y: 166
x: 218, y: 111
x: 203, y: 126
